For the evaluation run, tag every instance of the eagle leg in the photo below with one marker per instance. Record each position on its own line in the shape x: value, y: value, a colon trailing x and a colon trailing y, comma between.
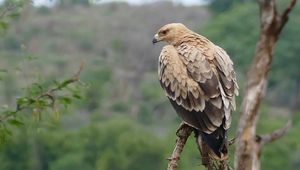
x: 181, y: 127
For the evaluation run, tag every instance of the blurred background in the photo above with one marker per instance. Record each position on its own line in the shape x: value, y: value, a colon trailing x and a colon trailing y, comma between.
x: 120, y: 118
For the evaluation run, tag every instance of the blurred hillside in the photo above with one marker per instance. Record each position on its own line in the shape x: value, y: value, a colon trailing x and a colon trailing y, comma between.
x: 123, y: 120
x: 113, y: 39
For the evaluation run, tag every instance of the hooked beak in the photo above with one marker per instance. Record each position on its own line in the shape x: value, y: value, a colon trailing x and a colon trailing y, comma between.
x: 155, y: 39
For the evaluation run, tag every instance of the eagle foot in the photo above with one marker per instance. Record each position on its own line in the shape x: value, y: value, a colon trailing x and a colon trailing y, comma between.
x: 180, y: 131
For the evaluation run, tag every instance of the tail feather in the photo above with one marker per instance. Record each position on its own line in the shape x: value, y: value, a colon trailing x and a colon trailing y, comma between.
x: 217, y: 143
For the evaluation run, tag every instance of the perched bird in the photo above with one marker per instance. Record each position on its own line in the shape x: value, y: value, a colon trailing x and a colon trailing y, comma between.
x: 200, y: 82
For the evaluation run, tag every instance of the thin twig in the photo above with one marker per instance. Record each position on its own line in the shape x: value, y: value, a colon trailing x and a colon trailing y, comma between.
x: 285, y: 15
x: 73, y: 79
x: 286, y: 12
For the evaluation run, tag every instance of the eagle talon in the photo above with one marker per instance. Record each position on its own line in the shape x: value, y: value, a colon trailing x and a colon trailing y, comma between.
x: 178, y: 131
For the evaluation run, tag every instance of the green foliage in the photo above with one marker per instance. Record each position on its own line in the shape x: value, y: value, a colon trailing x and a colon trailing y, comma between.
x: 10, y: 10
x: 121, y: 154
x: 285, y: 68
x: 286, y: 147
x: 225, y: 5
x: 36, y: 98
x: 109, y: 145
x: 120, y: 143
x: 70, y: 161
x: 238, y: 39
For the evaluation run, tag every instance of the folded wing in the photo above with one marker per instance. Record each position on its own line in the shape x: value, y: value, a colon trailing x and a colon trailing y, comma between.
x: 201, y: 85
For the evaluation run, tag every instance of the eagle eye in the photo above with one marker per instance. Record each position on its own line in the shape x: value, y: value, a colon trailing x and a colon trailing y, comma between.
x: 164, y: 32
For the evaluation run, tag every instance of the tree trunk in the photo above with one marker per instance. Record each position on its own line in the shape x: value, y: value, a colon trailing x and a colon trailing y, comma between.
x: 248, y: 149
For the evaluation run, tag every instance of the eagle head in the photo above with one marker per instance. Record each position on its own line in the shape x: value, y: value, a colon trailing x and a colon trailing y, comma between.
x: 170, y: 33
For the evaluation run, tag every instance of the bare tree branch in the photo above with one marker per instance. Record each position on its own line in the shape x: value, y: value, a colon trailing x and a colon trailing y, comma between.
x: 276, y: 134
x: 286, y: 12
x: 183, y: 133
x: 285, y: 15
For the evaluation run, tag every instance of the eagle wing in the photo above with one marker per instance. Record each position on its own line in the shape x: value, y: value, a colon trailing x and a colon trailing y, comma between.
x: 200, y: 84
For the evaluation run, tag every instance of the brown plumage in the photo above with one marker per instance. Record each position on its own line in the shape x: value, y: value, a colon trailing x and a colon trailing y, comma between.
x: 200, y: 82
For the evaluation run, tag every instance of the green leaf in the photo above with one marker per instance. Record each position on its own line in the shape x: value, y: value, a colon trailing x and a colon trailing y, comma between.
x: 77, y: 96
x: 38, y: 86
x: 41, y: 103
x: 65, y: 101
x: 64, y: 84
x: 15, y: 122
x: 22, y: 100
x: 3, y: 25
x: 14, y: 15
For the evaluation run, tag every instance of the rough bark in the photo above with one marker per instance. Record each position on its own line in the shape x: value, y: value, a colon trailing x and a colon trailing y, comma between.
x: 248, y: 149
x: 183, y: 133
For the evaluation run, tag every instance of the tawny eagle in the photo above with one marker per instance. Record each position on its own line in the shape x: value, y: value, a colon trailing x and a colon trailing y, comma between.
x: 200, y: 82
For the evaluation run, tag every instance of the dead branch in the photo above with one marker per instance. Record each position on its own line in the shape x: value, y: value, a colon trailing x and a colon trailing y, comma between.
x: 183, y: 133
x: 285, y: 14
x: 276, y: 134
x: 248, y: 150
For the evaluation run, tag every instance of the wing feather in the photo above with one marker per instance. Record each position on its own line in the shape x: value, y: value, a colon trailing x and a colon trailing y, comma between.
x: 176, y: 81
x: 200, y: 82
x: 211, y: 67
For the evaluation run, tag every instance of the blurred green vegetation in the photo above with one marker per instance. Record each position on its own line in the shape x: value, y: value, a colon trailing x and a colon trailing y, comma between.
x: 218, y: 7
x: 123, y: 121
